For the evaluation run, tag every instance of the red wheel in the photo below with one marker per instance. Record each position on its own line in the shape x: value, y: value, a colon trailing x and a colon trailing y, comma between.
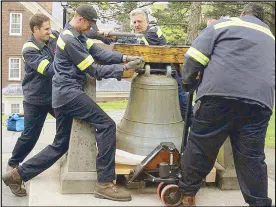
x: 171, y: 195
x: 160, y: 188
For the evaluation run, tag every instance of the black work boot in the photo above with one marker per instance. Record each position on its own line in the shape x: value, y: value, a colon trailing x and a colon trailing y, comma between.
x: 111, y: 192
x: 14, y: 181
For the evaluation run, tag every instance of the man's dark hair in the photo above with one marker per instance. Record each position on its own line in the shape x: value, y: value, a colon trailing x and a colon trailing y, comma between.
x: 37, y: 20
x: 254, y: 10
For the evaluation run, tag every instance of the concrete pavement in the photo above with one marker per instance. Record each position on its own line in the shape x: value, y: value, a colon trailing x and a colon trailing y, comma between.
x: 49, y: 181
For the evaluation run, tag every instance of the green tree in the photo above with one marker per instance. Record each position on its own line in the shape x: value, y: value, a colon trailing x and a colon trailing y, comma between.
x: 194, y: 22
x: 173, y: 20
x: 234, y: 9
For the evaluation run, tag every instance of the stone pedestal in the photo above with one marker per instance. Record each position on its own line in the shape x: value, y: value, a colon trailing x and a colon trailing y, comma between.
x: 78, y: 169
x: 226, y: 173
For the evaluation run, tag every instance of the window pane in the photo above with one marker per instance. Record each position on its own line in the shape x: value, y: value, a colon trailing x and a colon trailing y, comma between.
x: 17, y: 18
x: 15, y: 31
x: 14, y: 108
x: 14, y: 68
x: 14, y: 73
x: 15, y: 23
x: 15, y: 26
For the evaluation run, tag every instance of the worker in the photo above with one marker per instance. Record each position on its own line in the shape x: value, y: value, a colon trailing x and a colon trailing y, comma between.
x: 75, y: 57
x: 235, y: 99
x: 38, y: 54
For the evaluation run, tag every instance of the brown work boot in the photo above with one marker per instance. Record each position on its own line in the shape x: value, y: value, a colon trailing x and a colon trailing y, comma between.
x: 188, y: 200
x: 111, y: 192
x: 14, y: 181
x: 9, y: 168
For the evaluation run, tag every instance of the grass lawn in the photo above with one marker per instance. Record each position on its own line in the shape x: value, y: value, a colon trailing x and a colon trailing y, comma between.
x: 270, y: 134
x: 117, y: 105
x: 113, y: 105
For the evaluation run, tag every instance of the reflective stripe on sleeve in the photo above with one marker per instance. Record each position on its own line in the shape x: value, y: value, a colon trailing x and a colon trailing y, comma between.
x: 198, y: 56
x: 42, y: 65
x: 89, y: 43
x: 60, y: 43
x: 145, y: 40
x: 85, y: 63
x: 241, y: 23
x: 159, y: 32
x: 67, y: 32
x: 52, y: 36
x: 29, y: 44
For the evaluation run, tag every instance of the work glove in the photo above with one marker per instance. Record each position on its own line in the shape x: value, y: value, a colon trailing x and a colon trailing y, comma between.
x: 136, y: 64
x: 128, y: 58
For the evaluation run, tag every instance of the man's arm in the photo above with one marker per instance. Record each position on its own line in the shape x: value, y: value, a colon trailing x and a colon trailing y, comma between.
x: 197, y: 57
x: 154, y: 36
x: 92, y: 34
x: 36, y: 61
x: 85, y: 62
x: 100, y: 54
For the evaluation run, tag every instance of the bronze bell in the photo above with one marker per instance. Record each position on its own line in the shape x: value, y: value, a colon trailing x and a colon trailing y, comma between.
x: 152, y: 114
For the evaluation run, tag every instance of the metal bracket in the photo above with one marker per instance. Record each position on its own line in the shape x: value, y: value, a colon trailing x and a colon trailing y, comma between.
x: 147, y: 70
x: 169, y: 70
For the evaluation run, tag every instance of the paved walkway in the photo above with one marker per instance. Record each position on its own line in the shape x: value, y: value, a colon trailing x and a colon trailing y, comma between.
x: 47, y: 136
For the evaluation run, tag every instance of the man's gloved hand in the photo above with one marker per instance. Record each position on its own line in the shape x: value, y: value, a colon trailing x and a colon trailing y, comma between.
x: 128, y: 58
x: 186, y: 86
x: 136, y: 64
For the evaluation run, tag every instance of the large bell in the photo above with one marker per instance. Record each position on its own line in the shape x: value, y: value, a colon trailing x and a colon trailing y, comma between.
x: 152, y: 114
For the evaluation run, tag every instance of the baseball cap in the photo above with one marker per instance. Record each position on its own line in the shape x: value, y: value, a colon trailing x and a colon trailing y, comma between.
x: 88, y: 12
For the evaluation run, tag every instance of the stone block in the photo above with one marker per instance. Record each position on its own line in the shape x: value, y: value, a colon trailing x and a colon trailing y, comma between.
x: 78, y: 168
x: 226, y: 174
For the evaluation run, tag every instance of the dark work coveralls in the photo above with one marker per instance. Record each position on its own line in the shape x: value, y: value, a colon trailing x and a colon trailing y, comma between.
x: 37, y: 91
x: 74, y: 58
x: 235, y: 99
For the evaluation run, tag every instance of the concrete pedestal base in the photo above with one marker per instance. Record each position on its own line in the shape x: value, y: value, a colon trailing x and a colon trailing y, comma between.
x: 226, y: 179
x: 226, y: 174
x: 77, y: 182
x: 78, y: 170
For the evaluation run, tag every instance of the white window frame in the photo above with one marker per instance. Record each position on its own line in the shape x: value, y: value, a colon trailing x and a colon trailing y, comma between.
x: 10, y: 32
x: 12, y: 78
x: 16, y: 108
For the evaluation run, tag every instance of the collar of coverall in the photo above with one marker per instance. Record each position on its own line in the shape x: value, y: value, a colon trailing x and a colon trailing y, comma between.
x: 72, y: 29
x: 38, y: 44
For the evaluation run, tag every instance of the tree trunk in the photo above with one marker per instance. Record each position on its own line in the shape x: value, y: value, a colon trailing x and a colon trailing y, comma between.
x: 272, y: 26
x: 194, y: 22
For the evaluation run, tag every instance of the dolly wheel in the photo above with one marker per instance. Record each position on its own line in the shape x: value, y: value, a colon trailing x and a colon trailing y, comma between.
x: 171, y: 195
x: 160, y: 188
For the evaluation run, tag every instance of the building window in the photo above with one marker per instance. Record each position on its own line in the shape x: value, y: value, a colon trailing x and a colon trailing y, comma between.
x: 16, y: 24
x: 14, y: 108
x: 14, y: 68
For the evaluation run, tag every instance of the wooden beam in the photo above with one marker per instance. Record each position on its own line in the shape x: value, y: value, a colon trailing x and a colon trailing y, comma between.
x: 154, y: 54
x: 122, y: 169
